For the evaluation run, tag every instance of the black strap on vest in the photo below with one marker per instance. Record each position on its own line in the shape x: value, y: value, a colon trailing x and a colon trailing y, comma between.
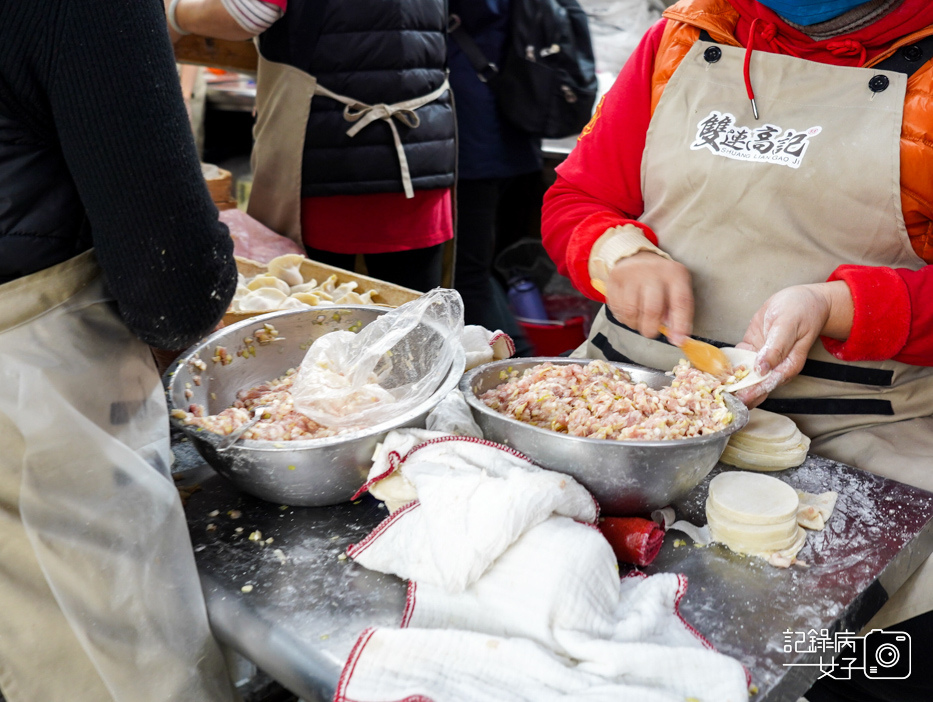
x: 485, y: 69
x: 907, y: 60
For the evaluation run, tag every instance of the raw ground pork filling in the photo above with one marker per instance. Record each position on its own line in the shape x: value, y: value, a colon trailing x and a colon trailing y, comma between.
x: 280, y: 421
x: 600, y: 401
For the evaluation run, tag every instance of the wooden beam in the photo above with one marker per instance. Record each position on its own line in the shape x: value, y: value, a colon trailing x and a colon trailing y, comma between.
x: 217, y: 53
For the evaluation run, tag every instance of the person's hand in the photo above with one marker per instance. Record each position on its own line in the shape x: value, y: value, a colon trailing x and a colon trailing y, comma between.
x: 172, y: 34
x: 787, y: 325
x: 647, y: 290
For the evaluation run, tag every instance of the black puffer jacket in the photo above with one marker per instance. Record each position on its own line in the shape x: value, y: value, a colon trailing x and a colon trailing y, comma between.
x: 42, y: 221
x: 374, y: 51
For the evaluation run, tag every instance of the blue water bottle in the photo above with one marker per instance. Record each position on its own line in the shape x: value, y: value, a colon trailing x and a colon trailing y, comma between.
x: 526, y: 301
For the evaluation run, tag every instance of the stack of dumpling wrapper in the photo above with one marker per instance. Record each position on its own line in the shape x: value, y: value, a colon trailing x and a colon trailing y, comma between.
x: 754, y: 514
x: 768, y: 442
x: 759, y: 515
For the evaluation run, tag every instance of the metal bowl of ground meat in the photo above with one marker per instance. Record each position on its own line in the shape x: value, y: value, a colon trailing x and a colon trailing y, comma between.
x: 312, y: 472
x: 627, y: 476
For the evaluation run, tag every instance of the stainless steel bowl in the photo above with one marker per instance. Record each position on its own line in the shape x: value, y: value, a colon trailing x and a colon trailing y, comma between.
x: 301, y: 473
x: 625, y: 477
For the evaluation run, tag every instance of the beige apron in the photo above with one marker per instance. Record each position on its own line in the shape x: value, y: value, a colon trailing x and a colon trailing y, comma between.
x: 99, y: 594
x: 283, y: 104
x: 752, y: 207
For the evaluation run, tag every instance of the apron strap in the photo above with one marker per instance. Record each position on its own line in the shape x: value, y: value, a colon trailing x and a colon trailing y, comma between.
x: 364, y: 115
x: 907, y: 60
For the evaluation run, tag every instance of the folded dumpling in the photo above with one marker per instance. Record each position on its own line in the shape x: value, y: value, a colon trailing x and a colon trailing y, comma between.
x: 262, y: 300
x: 287, y: 268
x: 269, y: 281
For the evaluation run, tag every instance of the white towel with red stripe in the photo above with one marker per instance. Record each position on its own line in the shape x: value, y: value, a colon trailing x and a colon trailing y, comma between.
x: 514, y: 594
x: 483, y: 346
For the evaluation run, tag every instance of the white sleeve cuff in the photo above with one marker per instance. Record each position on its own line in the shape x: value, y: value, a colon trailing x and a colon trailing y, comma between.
x: 614, y: 245
x: 254, y: 16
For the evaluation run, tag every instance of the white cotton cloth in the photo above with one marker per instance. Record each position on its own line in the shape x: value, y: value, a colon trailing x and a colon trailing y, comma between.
x: 482, y: 346
x: 453, y: 416
x: 475, y: 498
x: 514, y: 594
x: 465, y: 666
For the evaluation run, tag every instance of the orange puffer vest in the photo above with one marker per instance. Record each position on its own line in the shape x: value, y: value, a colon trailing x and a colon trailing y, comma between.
x: 718, y: 17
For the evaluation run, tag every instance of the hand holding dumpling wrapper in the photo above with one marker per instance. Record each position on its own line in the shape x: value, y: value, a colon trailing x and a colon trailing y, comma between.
x: 359, y: 379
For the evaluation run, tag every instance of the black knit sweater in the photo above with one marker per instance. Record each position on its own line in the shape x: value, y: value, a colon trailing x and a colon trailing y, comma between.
x: 96, y: 80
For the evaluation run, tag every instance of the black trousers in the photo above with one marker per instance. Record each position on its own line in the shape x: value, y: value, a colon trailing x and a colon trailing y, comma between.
x: 918, y: 687
x: 477, y: 205
x: 484, y: 301
x: 418, y: 269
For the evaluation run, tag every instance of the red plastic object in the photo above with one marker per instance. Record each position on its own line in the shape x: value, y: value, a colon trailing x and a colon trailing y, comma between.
x: 633, y: 539
x: 554, y: 338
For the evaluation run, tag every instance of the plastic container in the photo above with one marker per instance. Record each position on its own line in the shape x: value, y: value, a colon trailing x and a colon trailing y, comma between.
x: 525, y: 300
x: 554, y: 338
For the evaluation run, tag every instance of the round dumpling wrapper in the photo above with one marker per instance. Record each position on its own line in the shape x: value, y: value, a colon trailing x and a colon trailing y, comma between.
x: 750, y: 444
x: 751, y: 538
x: 753, y: 498
x: 742, y: 357
x: 768, y: 427
x: 767, y: 461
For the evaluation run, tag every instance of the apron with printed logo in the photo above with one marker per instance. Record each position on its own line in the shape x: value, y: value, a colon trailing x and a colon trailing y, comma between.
x: 751, y: 207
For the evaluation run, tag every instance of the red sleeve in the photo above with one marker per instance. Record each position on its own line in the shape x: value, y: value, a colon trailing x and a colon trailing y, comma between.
x: 891, y: 318
x: 599, y: 184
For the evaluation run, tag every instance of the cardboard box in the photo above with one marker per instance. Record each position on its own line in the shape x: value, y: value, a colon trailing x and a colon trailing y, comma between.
x: 389, y: 294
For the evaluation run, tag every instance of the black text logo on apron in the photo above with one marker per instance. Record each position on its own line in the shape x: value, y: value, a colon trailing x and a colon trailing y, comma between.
x: 768, y: 143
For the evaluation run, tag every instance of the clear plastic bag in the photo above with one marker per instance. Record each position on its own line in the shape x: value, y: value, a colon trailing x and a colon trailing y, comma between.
x: 97, y: 502
x: 356, y: 380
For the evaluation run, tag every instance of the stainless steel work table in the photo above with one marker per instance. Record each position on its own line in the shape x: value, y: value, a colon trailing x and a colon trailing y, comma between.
x: 295, y: 606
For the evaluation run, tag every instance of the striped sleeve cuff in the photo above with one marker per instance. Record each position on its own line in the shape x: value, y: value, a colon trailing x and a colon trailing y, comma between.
x: 254, y: 16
